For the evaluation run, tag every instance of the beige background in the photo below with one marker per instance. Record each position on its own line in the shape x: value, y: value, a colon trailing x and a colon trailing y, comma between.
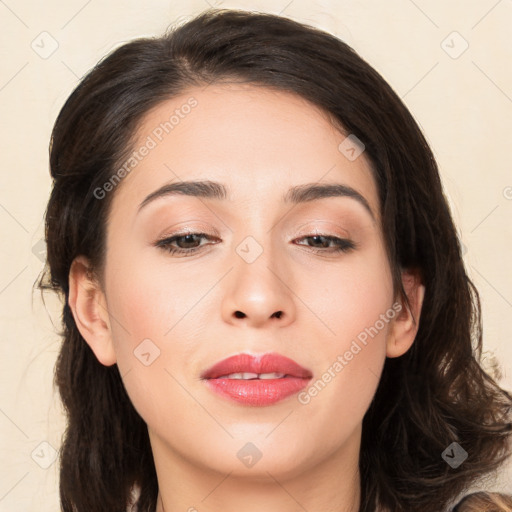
x: 462, y: 99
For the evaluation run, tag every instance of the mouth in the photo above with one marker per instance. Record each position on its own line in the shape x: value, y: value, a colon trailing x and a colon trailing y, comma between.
x: 256, y: 380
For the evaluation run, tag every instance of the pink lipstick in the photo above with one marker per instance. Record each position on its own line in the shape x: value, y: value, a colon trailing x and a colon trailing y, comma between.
x: 256, y: 380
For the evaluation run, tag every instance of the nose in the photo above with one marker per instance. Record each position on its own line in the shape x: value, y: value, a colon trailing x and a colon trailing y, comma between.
x: 259, y: 293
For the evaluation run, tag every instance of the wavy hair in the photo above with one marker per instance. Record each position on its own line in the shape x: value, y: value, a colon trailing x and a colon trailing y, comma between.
x: 434, y: 395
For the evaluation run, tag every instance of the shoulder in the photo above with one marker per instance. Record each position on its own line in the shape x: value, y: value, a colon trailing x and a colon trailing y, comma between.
x: 485, y: 502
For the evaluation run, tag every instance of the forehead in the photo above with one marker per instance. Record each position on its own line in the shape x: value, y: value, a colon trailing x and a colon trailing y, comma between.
x: 256, y: 140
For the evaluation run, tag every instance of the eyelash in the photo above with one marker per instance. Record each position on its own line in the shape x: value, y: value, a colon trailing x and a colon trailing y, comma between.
x: 343, y: 245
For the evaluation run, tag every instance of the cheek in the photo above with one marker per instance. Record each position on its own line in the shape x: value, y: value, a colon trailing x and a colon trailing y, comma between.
x: 350, y: 296
x: 149, y: 301
x: 355, y: 306
x: 349, y: 369
x: 153, y: 321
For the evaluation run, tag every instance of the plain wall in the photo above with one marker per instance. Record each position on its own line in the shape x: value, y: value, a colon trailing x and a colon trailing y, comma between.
x: 462, y: 99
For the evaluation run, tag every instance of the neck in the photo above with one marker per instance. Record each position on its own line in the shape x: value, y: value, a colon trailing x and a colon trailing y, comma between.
x: 332, y: 485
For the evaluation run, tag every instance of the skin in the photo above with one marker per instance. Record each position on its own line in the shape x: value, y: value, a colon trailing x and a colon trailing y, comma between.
x: 258, y: 142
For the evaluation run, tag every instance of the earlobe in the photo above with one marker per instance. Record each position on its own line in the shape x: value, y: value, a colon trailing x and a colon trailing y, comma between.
x: 405, y: 325
x: 88, y: 306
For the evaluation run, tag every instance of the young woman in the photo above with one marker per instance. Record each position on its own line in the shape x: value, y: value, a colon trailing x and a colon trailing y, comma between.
x: 265, y: 304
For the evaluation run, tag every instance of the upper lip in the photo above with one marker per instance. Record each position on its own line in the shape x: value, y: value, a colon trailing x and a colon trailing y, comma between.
x: 265, y: 363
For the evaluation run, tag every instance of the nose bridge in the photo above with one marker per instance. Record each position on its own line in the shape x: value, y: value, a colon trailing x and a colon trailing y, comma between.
x: 257, y: 291
x: 254, y: 261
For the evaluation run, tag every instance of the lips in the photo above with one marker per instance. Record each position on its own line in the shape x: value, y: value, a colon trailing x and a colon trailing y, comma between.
x: 256, y: 380
x: 263, y: 364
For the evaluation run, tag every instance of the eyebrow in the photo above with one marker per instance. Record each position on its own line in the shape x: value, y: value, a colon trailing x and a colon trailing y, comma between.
x: 295, y: 195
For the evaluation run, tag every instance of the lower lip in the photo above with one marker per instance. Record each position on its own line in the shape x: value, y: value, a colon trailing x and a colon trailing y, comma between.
x: 257, y: 392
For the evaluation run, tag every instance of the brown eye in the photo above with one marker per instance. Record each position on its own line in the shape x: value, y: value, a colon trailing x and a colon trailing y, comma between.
x: 186, y: 243
x: 322, y: 243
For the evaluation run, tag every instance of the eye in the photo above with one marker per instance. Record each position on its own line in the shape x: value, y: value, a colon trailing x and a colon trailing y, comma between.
x: 323, y: 241
x: 189, y: 243
x: 185, y: 243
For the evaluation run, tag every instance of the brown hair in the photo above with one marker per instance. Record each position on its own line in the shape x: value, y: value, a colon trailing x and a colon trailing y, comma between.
x: 485, y: 502
x: 435, y: 395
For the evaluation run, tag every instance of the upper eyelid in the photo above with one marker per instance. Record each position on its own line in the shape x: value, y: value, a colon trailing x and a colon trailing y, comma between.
x: 203, y: 233
x: 304, y: 231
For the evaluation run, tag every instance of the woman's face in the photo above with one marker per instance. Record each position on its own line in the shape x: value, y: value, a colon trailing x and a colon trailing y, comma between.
x: 262, y: 249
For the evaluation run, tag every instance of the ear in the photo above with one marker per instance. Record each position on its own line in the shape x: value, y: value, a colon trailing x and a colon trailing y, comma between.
x: 89, y: 307
x: 405, y: 325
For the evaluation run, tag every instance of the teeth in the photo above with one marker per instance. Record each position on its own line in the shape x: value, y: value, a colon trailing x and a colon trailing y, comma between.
x: 274, y: 375
x: 250, y: 376
x: 244, y: 376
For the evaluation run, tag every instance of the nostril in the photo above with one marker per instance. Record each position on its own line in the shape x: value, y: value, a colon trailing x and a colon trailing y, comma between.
x: 239, y: 314
x: 278, y: 314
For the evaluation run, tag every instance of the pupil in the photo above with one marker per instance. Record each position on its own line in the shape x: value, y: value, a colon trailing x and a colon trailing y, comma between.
x: 317, y: 239
x: 188, y: 239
